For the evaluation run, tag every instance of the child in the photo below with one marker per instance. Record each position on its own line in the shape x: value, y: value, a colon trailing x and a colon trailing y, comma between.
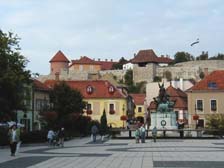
x: 137, y: 135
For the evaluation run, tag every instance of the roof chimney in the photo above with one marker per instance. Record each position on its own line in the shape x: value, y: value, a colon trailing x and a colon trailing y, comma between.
x: 205, y: 71
x: 134, y: 54
x: 98, y: 59
x: 111, y: 60
x: 105, y: 59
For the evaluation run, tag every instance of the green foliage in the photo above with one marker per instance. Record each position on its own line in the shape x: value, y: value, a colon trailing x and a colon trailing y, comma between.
x: 215, y: 121
x: 203, y: 56
x: 182, y: 57
x: 168, y: 75
x: 128, y: 77
x: 103, y: 123
x: 66, y: 101
x: 13, y: 76
x: 34, y: 136
x: 4, y: 136
x: 201, y: 75
x: 120, y: 64
x: 157, y: 79
x: 220, y: 56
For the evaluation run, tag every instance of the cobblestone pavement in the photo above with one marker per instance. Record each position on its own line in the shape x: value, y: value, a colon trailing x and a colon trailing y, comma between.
x: 80, y: 153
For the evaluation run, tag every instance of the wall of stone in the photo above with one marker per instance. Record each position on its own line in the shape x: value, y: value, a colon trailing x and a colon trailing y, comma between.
x: 146, y: 73
x: 185, y: 70
x: 118, y: 73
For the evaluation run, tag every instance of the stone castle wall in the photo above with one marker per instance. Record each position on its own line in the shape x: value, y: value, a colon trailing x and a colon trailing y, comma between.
x: 145, y: 73
x: 185, y: 70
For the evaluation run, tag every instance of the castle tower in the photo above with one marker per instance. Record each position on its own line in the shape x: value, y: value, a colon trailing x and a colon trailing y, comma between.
x: 58, y: 62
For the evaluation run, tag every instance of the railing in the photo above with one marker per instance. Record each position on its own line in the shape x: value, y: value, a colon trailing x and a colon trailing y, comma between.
x: 186, y: 132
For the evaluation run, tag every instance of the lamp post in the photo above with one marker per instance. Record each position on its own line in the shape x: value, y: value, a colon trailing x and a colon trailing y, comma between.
x: 123, y: 108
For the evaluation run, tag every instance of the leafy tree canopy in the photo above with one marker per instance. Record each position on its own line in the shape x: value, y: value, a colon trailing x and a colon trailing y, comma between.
x: 120, y: 63
x: 128, y: 77
x: 13, y: 76
x: 182, y: 57
x: 203, y: 56
x: 220, y: 56
x: 66, y: 101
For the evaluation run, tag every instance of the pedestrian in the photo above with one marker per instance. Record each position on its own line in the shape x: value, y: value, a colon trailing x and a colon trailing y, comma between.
x: 137, y: 135
x: 50, y: 137
x: 142, y: 133
x: 154, y: 133
x: 94, y: 131
x: 61, y: 136
x: 14, y: 136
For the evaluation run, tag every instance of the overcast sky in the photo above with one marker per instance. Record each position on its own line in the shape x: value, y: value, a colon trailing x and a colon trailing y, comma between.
x: 111, y: 29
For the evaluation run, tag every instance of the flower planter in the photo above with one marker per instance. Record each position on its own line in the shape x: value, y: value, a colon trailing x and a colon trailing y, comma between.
x: 195, y: 117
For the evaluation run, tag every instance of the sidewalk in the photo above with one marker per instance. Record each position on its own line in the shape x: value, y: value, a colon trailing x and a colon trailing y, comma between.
x: 79, y: 153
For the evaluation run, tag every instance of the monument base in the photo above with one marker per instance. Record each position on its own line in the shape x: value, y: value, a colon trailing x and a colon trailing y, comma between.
x: 163, y: 120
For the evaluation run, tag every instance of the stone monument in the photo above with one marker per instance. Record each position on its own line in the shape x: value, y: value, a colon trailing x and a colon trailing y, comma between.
x: 164, y: 117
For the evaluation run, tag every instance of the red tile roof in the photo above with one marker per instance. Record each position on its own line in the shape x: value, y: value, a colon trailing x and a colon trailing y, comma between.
x: 176, y: 95
x: 149, y: 56
x: 84, y: 60
x: 59, y: 57
x: 100, y: 88
x: 40, y: 86
x: 106, y: 65
x: 138, y: 98
x: 213, y: 81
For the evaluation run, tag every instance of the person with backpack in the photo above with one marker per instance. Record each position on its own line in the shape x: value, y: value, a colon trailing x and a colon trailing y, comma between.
x: 137, y: 135
x: 142, y: 133
x: 61, y: 137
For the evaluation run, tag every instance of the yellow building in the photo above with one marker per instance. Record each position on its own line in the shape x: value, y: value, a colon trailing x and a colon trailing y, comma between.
x: 85, y: 64
x: 140, y: 110
x: 206, y: 98
x: 101, y: 95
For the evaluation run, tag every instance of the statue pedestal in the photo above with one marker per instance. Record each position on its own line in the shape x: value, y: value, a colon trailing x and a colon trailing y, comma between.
x: 163, y: 120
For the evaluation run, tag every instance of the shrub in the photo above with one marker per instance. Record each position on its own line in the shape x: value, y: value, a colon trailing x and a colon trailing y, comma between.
x: 215, y: 121
x: 34, y: 136
x: 3, y: 136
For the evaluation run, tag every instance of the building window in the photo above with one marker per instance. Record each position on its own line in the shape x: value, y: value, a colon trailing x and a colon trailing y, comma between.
x: 139, y: 109
x: 212, y: 85
x: 111, y: 109
x: 199, y: 105
x: 89, y: 108
x: 213, y: 105
x: 41, y: 104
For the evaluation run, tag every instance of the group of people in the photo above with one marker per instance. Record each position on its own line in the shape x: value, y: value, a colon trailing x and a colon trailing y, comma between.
x: 56, y: 138
x: 140, y: 134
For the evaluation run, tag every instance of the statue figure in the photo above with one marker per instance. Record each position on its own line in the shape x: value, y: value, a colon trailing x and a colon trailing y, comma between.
x: 163, y: 104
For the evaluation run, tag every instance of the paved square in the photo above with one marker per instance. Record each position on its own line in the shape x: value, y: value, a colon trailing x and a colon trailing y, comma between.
x: 80, y: 153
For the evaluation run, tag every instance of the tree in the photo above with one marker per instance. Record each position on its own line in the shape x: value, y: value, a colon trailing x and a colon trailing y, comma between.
x: 14, y: 78
x: 203, y: 56
x: 157, y: 79
x: 103, y: 123
x: 215, y: 121
x: 66, y: 101
x: 120, y: 63
x: 168, y: 75
x: 201, y: 75
x: 182, y: 57
x: 220, y: 56
x: 128, y: 77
